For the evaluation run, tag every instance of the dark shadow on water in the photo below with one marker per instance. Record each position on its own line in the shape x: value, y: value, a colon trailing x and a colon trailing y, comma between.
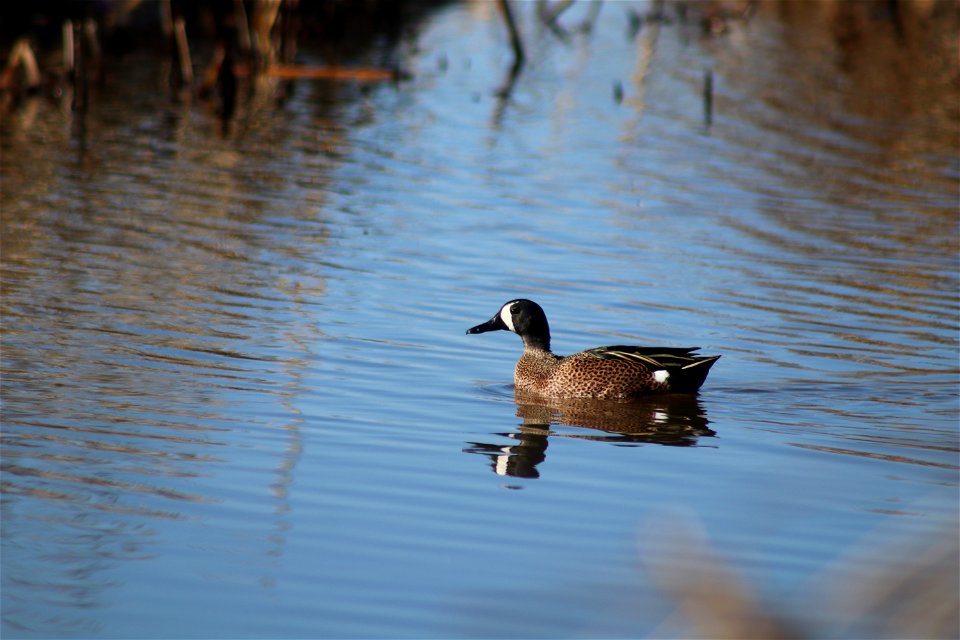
x: 671, y: 420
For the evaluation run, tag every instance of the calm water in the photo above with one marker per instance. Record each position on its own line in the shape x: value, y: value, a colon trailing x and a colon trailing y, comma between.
x: 238, y: 400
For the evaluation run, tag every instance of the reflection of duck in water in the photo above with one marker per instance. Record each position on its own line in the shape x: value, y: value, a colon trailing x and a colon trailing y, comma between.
x: 674, y: 420
x: 605, y: 372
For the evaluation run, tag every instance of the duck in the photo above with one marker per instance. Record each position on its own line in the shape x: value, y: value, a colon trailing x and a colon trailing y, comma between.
x: 617, y: 371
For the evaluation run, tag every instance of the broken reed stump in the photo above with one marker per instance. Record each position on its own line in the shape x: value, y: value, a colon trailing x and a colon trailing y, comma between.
x: 708, y: 98
x: 183, y: 51
x: 21, y: 58
x: 79, y: 72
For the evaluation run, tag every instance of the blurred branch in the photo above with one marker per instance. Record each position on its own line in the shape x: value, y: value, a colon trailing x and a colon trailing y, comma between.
x: 291, y: 71
x: 900, y: 589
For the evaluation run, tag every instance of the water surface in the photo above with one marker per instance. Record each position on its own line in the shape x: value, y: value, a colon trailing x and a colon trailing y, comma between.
x: 238, y: 400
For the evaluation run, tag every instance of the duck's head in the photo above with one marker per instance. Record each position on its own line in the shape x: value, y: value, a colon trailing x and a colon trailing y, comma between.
x: 523, y: 317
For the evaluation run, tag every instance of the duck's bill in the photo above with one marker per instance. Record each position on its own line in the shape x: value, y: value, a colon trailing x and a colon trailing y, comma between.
x: 493, y: 324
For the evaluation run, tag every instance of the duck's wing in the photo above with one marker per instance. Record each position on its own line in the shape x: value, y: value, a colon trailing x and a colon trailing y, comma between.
x: 651, y: 357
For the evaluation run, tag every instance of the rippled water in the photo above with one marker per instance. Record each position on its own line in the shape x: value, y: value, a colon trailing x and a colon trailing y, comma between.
x: 238, y: 400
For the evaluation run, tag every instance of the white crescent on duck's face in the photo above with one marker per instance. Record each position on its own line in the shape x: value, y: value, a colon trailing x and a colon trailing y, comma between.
x: 507, y: 316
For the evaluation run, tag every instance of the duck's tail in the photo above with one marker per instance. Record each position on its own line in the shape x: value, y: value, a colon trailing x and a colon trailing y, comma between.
x: 690, y: 377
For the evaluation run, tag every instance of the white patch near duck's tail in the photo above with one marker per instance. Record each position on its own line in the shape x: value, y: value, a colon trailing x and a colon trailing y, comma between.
x: 661, y: 375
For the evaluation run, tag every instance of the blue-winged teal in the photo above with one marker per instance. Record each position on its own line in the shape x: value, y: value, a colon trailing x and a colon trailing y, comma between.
x: 604, y: 372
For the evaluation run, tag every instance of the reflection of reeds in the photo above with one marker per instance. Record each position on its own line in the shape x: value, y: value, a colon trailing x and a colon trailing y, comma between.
x: 204, y: 44
x: 905, y: 589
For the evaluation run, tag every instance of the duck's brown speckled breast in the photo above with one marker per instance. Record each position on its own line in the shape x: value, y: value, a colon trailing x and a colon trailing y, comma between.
x: 534, y: 370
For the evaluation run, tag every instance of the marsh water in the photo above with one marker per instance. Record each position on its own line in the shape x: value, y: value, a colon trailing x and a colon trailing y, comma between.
x: 238, y: 400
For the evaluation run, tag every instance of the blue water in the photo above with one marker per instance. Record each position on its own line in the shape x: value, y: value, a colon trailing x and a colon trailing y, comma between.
x: 238, y: 400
